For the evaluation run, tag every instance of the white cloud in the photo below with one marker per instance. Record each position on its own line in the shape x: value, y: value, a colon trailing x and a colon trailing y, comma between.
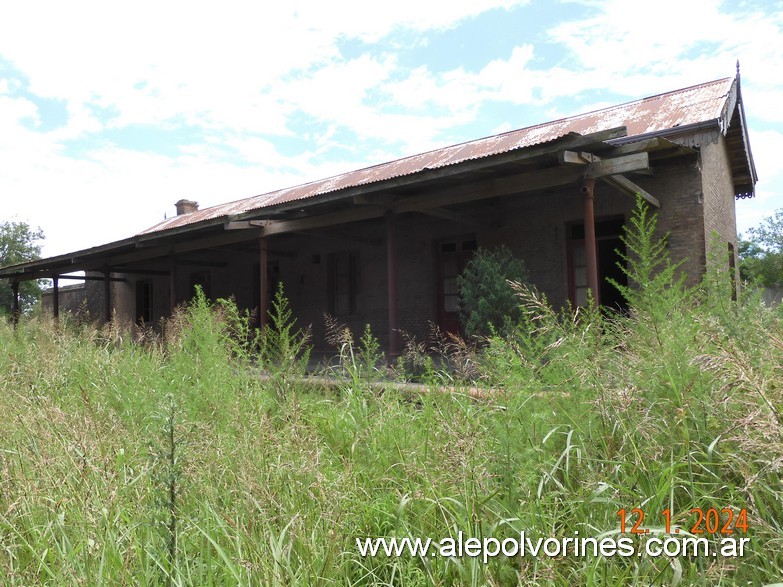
x: 766, y: 146
x: 371, y: 21
x: 241, y: 75
x: 509, y: 80
x: 751, y: 212
x: 112, y: 193
x: 764, y: 105
x: 675, y: 44
x: 209, y: 66
x: 237, y: 72
x: 16, y: 110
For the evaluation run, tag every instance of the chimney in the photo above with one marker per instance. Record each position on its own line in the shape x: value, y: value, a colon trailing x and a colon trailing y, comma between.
x: 186, y: 207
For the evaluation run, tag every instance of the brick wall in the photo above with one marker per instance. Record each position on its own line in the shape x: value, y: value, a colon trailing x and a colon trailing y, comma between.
x: 81, y: 300
x: 678, y: 186
x: 720, y: 220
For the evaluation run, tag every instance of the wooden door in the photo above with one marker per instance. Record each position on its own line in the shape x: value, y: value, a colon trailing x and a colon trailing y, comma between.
x: 452, y: 257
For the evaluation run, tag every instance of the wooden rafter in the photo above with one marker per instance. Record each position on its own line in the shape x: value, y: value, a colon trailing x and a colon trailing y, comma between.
x: 244, y: 224
x: 342, y: 236
x: 91, y: 277
x: 617, y: 180
x: 626, y: 186
x: 455, y: 217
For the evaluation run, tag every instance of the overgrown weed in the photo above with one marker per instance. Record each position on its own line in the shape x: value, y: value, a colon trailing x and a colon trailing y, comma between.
x: 673, y: 406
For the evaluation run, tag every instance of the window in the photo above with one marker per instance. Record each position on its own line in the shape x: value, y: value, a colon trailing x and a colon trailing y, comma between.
x: 342, y: 282
x: 202, y: 280
x: 144, y: 301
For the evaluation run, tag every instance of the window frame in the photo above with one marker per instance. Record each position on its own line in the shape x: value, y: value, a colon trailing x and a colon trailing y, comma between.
x: 342, y: 282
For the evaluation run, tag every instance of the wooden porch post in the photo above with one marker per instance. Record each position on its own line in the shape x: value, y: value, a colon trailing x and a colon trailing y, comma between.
x: 107, y: 293
x: 172, y: 283
x: 263, y: 297
x: 56, y: 296
x: 391, y: 275
x: 587, y: 187
x: 15, y: 305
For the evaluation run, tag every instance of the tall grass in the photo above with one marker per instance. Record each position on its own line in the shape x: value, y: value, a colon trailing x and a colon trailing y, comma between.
x: 176, y: 462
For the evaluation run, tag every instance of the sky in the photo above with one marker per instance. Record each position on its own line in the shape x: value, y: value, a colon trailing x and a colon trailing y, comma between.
x: 111, y: 112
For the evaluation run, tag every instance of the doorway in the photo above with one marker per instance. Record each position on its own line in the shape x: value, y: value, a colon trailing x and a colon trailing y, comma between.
x: 609, y: 248
x: 452, y: 255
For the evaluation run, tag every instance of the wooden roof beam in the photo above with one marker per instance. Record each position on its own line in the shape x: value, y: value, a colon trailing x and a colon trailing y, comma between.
x: 519, y: 183
x: 616, y: 180
x: 342, y: 236
x: 447, y: 214
x: 90, y: 277
x: 626, y: 186
x: 651, y: 144
x: 202, y: 263
x: 374, y: 199
x: 226, y: 238
x: 135, y: 271
x: 323, y: 220
x: 244, y: 224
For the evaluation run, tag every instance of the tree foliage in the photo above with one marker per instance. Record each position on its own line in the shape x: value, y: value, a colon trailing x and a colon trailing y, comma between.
x: 19, y: 243
x: 487, y: 301
x: 769, y: 234
x: 761, y: 255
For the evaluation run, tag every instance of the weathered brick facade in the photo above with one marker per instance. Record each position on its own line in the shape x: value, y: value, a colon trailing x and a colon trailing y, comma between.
x: 83, y: 301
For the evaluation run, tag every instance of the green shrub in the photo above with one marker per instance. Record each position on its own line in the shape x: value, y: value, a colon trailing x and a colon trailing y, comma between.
x: 487, y: 301
x: 285, y: 349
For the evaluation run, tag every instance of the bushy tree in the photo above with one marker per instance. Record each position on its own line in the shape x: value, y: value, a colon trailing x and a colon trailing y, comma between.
x: 487, y: 301
x: 761, y: 255
x: 769, y: 234
x: 19, y: 243
x: 759, y: 266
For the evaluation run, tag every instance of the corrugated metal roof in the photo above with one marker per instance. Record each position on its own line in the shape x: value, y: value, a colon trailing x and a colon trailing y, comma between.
x: 680, y: 108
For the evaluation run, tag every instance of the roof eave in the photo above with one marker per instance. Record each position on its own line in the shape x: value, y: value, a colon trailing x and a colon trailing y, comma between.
x: 745, y: 135
x: 669, y: 132
x: 49, y: 263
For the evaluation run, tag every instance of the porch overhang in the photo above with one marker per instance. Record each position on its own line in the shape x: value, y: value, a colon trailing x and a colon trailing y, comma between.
x: 537, y: 168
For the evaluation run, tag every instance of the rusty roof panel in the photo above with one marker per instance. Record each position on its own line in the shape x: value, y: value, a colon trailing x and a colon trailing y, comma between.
x: 693, y: 105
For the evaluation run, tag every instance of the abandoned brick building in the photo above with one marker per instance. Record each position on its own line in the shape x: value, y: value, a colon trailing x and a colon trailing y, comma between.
x: 383, y: 245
